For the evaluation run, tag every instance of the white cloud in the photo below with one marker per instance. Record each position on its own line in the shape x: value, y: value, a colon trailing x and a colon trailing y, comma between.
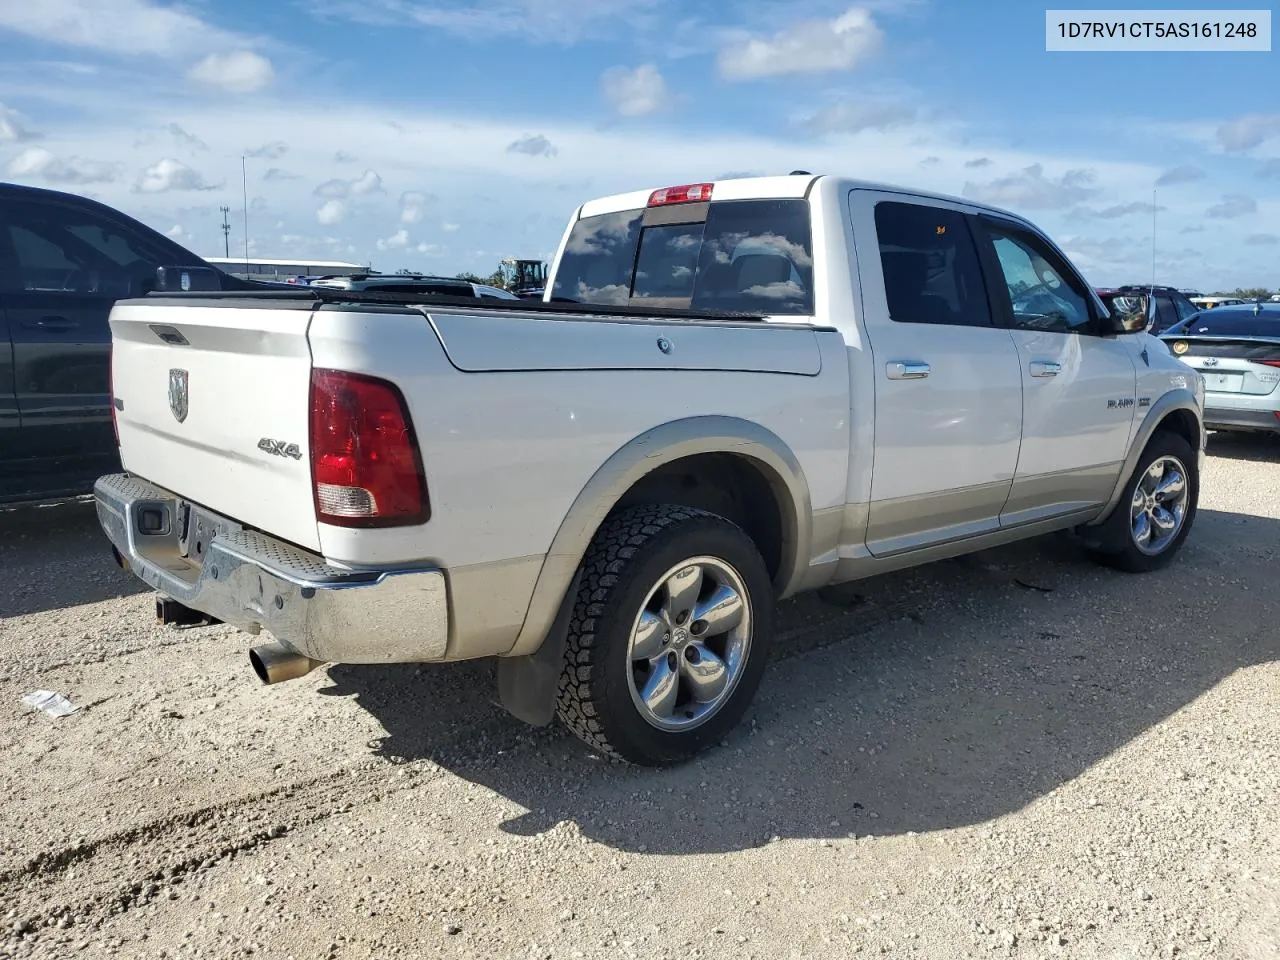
x: 343, y: 157
x: 118, y: 27
x: 1187, y: 173
x: 179, y: 234
x: 269, y: 151
x: 533, y: 21
x: 430, y: 249
x: 635, y: 93
x: 1262, y: 239
x: 368, y: 182
x: 37, y: 163
x: 413, y: 205
x: 1247, y: 132
x: 186, y: 138
x: 1031, y: 189
x: 241, y: 71
x: 397, y: 241
x: 169, y: 174
x: 331, y: 212
x: 533, y: 146
x: 13, y: 128
x: 810, y: 46
x: 1270, y: 169
x: 276, y: 174
x: 854, y: 116
x: 1233, y: 205
x: 1116, y: 212
x: 450, y: 227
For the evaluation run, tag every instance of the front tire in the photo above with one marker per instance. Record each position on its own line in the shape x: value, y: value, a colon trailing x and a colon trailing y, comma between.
x: 669, y: 636
x: 1155, y: 513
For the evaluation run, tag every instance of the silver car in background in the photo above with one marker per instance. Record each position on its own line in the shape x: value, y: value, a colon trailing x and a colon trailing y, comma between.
x: 1237, y: 351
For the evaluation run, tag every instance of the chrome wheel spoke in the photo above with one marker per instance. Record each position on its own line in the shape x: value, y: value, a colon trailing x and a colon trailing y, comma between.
x: 705, y: 673
x: 1142, y: 528
x: 1170, y: 487
x: 650, y: 634
x: 682, y: 589
x: 1165, y: 523
x: 719, y: 613
x: 662, y: 689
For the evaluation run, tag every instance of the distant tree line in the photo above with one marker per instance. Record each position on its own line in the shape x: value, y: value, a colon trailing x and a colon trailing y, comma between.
x: 494, y: 279
x: 1252, y: 293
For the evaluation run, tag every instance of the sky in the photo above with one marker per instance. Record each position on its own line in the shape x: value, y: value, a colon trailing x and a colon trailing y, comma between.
x: 443, y: 135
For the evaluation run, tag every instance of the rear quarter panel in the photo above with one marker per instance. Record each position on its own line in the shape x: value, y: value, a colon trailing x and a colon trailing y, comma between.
x: 506, y: 452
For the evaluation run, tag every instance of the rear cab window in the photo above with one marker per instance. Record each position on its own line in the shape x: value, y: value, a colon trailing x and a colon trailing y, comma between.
x: 752, y: 256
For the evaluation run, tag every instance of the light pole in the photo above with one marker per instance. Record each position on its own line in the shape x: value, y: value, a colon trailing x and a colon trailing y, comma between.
x: 226, y: 232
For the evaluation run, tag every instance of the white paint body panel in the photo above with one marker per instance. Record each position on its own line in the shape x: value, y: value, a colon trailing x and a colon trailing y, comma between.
x: 1067, y: 421
x: 249, y: 377
x: 491, y: 342
x: 962, y: 424
x: 507, y: 452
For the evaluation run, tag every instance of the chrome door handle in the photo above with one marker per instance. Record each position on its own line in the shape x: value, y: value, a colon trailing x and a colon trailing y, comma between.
x: 1045, y: 368
x: 906, y: 370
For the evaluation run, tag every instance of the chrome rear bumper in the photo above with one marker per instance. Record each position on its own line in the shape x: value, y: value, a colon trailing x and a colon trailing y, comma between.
x: 255, y: 582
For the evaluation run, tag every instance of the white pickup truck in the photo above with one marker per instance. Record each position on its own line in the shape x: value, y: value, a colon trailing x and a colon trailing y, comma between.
x: 731, y: 392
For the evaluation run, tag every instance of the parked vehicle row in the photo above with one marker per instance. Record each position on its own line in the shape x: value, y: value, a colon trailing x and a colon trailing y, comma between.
x: 732, y: 392
x: 1236, y: 349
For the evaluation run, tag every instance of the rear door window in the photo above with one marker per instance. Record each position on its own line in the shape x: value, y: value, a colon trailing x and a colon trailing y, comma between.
x: 930, y: 265
x: 753, y: 256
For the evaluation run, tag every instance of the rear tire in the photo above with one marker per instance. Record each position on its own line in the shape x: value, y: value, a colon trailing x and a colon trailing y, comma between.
x: 669, y: 636
x: 1156, y: 510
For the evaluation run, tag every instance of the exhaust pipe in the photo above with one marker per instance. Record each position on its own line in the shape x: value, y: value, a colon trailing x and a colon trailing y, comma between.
x: 275, y: 663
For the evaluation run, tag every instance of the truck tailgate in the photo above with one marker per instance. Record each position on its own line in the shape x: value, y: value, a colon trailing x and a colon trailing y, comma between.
x: 212, y: 403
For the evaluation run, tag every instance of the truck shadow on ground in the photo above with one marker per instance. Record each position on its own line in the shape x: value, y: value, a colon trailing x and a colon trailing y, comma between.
x: 56, y: 556
x: 922, y: 701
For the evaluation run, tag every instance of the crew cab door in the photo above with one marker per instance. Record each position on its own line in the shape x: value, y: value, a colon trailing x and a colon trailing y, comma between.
x: 1078, y: 376
x: 948, y: 389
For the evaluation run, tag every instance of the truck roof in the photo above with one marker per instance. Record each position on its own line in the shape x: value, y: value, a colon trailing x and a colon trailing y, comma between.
x: 777, y: 188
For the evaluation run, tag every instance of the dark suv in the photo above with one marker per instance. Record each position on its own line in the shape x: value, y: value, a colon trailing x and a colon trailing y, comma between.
x: 1159, y: 308
x: 64, y: 260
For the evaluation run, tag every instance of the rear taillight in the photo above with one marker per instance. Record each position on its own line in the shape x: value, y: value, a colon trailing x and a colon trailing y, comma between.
x: 1268, y: 363
x: 111, y: 392
x: 366, y: 469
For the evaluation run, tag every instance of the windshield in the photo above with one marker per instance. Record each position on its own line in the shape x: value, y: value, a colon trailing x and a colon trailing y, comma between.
x: 753, y: 256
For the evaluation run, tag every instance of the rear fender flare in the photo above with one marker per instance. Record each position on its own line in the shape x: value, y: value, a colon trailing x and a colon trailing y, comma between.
x: 642, y: 455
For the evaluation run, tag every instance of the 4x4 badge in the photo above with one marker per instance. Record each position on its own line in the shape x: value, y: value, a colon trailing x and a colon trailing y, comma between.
x: 178, y: 396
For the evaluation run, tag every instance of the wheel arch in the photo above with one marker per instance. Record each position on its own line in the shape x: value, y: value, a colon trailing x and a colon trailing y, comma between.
x: 645, y: 456
x: 1177, y: 411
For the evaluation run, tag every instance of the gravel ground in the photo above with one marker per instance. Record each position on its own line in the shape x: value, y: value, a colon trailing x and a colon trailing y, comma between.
x: 1017, y: 754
